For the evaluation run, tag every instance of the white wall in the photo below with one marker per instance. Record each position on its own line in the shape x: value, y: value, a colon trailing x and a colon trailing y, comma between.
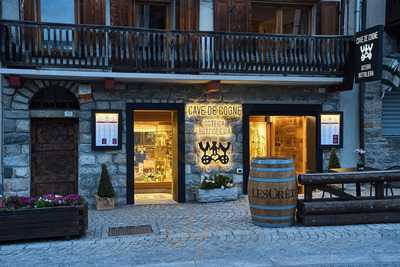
x: 206, y: 15
x: 349, y: 104
x: 376, y: 10
x: 10, y: 9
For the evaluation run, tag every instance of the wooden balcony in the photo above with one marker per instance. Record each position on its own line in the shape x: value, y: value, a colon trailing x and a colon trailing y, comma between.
x: 34, y: 45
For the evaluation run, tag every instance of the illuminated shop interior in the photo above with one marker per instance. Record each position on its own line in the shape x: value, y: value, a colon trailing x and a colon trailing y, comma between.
x: 285, y: 136
x: 155, y: 156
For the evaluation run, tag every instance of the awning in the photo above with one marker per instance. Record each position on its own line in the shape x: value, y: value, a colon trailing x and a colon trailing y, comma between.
x: 390, y: 74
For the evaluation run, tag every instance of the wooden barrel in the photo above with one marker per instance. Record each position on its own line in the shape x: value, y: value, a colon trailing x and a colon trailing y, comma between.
x: 272, y: 190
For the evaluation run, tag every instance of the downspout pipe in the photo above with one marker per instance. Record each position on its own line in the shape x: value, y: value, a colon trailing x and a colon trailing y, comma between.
x: 357, y: 16
x: 1, y: 136
x: 360, y: 24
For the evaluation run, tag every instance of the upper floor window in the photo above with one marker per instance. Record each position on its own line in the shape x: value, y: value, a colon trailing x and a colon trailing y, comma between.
x: 152, y: 15
x: 60, y: 11
x: 281, y: 20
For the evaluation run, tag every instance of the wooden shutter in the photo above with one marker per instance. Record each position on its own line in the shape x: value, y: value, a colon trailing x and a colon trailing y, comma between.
x: 92, y: 12
x: 187, y: 15
x: 328, y: 18
x: 239, y: 19
x: 121, y: 12
x: 391, y: 113
x: 28, y: 7
x: 231, y: 15
x: 221, y: 15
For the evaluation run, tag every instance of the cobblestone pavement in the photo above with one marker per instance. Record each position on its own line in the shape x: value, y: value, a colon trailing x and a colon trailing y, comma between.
x: 218, y: 234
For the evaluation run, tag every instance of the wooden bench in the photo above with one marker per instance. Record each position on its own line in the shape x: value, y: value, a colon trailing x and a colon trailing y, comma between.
x: 346, y: 208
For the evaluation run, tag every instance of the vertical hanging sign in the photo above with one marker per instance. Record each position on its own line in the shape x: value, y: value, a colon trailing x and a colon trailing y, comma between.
x: 368, y: 54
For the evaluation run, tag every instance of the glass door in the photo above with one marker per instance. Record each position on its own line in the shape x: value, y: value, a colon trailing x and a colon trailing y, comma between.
x: 285, y: 136
x: 155, y: 155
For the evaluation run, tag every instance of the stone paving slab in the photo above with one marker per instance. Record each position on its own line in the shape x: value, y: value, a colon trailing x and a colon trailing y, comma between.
x: 219, y: 234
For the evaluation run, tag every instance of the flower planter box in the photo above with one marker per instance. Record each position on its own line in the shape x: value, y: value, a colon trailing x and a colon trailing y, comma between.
x: 62, y: 221
x: 217, y: 195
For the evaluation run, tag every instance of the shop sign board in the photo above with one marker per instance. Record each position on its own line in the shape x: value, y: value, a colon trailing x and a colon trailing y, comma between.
x: 331, y: 129
x: 368, y: 54
x: 106, y: 130
x: 213, y: 131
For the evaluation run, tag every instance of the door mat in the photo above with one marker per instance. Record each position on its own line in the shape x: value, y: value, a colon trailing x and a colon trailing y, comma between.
x: 130, y: 230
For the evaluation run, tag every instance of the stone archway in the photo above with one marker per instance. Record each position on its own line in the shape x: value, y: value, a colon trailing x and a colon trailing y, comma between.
x: 17, y: 132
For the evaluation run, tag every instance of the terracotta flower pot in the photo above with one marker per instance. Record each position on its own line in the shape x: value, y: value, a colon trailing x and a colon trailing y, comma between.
x: 104, y: 203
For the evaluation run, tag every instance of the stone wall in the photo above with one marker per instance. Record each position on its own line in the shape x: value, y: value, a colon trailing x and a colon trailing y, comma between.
x: 17, y: 126
x: 382, y: 151
x: 16, y: 143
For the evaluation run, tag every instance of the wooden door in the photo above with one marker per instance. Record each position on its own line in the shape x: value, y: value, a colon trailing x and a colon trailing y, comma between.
x: 54, y: 156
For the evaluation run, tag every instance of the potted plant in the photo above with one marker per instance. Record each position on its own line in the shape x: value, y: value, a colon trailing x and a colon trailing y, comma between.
x: 334, y: 162
x: 105, y: 197
x: 216, y: 188
x: 47, y: 216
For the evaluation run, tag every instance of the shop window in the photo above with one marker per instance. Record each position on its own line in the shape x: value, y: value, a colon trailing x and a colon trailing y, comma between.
x: 277, y: 19
x: 285, y: 136
x: 391, y: 113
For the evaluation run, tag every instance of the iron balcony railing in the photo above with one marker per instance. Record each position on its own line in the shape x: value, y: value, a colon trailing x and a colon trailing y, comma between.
x: 28, y: 44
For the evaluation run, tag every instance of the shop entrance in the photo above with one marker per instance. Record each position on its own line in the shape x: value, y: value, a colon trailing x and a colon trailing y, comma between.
x: 155, y: 156
x: 282, y: 131
x: 285, y: 136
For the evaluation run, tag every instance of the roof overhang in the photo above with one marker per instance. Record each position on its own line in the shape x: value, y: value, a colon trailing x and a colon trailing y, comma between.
x: 89, y: 75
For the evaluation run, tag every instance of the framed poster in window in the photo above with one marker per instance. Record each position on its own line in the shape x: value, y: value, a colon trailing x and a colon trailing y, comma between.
x: 106, y: 129
x: 331, y: 129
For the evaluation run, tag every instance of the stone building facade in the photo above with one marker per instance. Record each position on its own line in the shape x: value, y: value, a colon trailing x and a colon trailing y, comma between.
x: 17, y: 135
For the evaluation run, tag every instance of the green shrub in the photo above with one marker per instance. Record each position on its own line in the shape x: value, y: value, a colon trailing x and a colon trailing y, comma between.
x: 105, y: 189
x: 217, y: 181
x: 333, y: 160
x: 222, y: 180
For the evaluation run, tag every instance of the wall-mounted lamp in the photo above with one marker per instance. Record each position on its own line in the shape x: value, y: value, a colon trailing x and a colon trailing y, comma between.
x: 213, y: 87
x: 109, y: 84
x: 15, y: 81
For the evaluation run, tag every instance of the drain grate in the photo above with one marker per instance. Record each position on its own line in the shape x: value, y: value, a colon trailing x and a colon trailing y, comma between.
x: 130, y: 230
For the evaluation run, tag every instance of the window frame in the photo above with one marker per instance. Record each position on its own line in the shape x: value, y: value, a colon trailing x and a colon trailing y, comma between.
x: 166, y: 3
x: 281, y: 5
x: 39, y: 12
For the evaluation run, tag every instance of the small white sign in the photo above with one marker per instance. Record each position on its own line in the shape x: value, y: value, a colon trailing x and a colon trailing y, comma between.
x: 85, y: 89
x: 68, y: 113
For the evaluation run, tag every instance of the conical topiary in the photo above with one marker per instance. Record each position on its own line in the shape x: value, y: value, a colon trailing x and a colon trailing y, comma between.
x: 105, y: 189
x: 333, y: 160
